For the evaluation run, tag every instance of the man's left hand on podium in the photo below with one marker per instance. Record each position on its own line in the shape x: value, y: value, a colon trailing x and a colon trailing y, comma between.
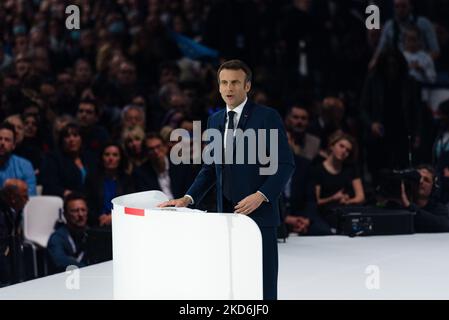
x: 249, y: 204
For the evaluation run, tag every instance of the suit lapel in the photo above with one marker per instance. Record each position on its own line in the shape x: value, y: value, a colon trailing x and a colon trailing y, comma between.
x: 221, y: 118
x: 243, y: 121
x: 247, y: 110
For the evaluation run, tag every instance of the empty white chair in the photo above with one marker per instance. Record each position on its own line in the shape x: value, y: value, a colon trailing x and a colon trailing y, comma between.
x: 39, y: 217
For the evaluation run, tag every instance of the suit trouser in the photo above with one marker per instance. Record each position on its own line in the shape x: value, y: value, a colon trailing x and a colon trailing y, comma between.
x: 269, y: 257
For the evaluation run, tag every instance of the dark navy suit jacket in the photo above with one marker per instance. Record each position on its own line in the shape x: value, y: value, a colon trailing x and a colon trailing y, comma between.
x: 181, y: 177
x: 246, y: 178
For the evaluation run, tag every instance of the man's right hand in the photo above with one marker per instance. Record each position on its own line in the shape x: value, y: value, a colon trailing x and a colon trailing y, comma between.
x: 181, y: 202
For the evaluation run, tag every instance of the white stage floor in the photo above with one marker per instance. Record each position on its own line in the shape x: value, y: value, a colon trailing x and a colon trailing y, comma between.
x: 408, y: 267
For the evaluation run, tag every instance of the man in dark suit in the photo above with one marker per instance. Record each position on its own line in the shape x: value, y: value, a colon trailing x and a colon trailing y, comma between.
x: 241, y: 188
x: 159, y: 173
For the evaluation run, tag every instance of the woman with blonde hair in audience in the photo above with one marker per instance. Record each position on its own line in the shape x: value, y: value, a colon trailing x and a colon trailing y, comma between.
x: 133, y: 144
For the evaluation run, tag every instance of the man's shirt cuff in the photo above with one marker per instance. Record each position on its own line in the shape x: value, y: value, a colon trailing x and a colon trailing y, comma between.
x: 190, y: 197
x: 266, y: 199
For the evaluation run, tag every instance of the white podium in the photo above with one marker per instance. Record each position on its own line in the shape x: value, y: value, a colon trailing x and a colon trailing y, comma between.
x: 179, y: 253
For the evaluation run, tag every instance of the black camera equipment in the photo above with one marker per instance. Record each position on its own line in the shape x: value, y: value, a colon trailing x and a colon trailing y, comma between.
x: 390, y: 183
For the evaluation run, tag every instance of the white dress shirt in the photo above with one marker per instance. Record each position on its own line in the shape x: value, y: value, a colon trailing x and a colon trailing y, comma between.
x: 164, y: 180
x: 238, y: 112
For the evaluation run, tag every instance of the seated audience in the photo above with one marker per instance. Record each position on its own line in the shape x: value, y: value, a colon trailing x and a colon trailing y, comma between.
x: 64, y: 170
x: 13, y: 197
x: 108, y: 182
x: 12, y: 166
x: 158, y: 173
x: 32, y: 146
x: 132, y: 141
x: 133, y: 115
x: 337, y: 182
x: 67, y: 244
x: 300, y: 202
x: 431, y: 215
x: 93, y: 135
x: 303, y: 143
x: 330, y: 121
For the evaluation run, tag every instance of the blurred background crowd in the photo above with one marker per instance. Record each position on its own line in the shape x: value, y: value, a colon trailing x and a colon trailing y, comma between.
x: 87, y: 114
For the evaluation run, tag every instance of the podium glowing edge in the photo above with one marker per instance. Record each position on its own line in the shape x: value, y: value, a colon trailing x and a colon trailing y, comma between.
x: 180, y: 253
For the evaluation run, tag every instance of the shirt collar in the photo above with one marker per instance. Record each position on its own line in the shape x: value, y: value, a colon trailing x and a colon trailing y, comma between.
x: 239, y: 109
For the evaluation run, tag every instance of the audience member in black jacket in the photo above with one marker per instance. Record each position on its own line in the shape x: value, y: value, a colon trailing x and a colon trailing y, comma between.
x: 431, y: 215
x: 301, y: 206
x: 108, y: 182
x: 159, y: 173
x: 65, y: 170
x: 13, y: 197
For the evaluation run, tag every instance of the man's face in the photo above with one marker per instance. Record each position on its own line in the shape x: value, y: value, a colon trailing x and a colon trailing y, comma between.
x: 402, y: 9
x: 48, y: 93
x: 298, y: 120
x: 156, y: 149
x: 76, y: 214
x: 18, y: 127
x: 7, y: 144
x: 168, y: 76
x: 233, y: 86
x: 65, y: 83
x: 426, y: 183
x: 21, y: 44
x: 133, y: 117
x: 83, y: 72
x: 126, y: 74
x: 86, y: 114
x: 22, y: 68
x: 40, y: 61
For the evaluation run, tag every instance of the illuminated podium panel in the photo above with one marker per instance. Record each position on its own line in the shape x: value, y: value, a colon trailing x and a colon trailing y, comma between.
x: 180, y: 253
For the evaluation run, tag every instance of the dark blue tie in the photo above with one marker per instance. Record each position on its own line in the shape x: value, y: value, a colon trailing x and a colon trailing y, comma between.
x: 227, y: 179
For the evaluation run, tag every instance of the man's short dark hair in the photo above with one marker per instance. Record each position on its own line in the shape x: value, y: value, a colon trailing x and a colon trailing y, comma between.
x: 427, y: 167
x: 8, y: 126
x: 171, y: 66
x: 154, y: 135
x: 72, y: 197
x: 236, y: 65
x: 298, y: 106
x: 92, y: 102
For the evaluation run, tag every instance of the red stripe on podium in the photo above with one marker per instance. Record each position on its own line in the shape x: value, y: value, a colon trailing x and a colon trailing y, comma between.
x: 134, y: 211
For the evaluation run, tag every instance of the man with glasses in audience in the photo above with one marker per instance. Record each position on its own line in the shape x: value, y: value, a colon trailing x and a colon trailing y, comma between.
x: 159, y: 173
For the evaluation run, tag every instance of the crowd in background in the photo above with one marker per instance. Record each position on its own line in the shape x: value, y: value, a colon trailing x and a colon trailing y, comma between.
x: 87, y: 114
